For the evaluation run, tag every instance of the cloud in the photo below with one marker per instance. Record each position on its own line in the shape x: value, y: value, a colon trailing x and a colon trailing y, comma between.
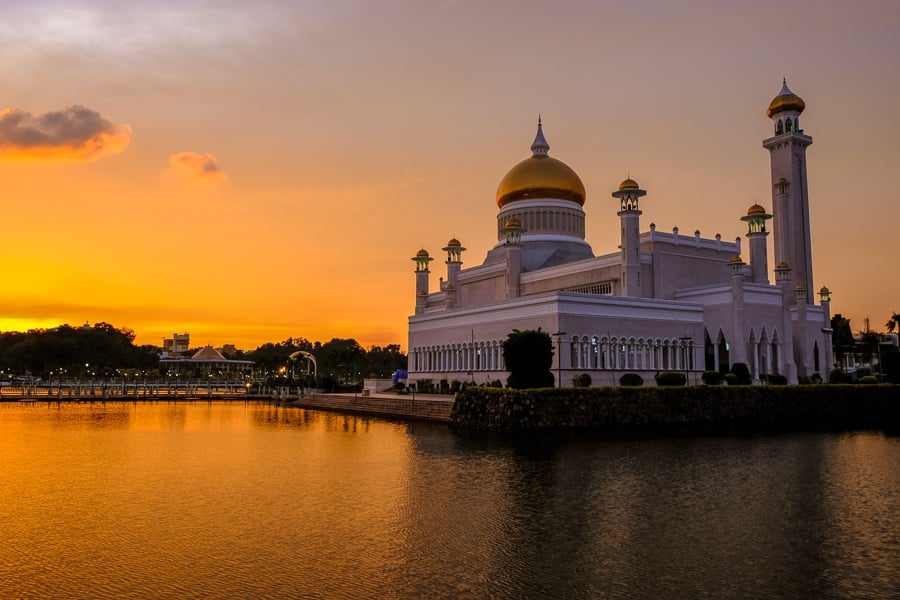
x: 196, y: 166
x: 74, y: 134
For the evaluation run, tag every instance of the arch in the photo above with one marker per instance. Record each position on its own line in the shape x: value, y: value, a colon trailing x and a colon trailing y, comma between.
x: 816, y: 366
x: 779, y: 127
x: 722, y: 353
x: 788, y: 125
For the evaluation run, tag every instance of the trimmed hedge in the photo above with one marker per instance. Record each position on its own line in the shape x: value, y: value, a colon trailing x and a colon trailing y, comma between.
x: 631, y: 379
x: 712, y: 378
x: 838, y: 407
x: 670, y: 378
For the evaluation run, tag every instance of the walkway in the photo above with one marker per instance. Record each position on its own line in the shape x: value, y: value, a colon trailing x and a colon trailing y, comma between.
x: 421, y: 407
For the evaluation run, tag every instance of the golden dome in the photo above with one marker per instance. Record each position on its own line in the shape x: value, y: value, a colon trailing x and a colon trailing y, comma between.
x: 453, y: 243
x: 781, y: 181
x: 423, y: 253
x: 756, y: 209
x: 824, y: 290
x: 736, y: 259
x: 540, y: 176
x: 629, y: 184
x: 781, y: 266
x: 786, y: 100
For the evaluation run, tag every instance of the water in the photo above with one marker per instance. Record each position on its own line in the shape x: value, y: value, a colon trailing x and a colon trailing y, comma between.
x: 250, y: 500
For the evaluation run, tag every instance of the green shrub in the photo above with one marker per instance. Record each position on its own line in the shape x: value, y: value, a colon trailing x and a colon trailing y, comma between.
x: 836, y: 376
x: 631, y: 380
x: 743, y: 373
x: 712, y: 378
x: 776, y: 379
x: 582, y: 380
x: 731, y: 379
x: 868, y: 379
x: 670, y: 378
x: 455, y: 386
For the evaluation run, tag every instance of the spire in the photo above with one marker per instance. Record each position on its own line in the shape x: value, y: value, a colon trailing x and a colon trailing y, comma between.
x: 785, y: 90
x: 540, y: 147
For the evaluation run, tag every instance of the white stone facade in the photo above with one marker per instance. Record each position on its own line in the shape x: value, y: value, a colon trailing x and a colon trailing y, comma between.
x: 663, y: 301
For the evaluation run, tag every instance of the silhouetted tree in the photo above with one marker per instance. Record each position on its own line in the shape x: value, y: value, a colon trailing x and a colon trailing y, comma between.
x: 529, y: 357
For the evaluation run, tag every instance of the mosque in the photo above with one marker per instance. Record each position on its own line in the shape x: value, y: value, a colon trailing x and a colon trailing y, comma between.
x: 663, y: 301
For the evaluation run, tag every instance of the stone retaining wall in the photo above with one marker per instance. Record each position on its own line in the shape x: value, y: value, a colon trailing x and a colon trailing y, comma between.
x: 756, y: 407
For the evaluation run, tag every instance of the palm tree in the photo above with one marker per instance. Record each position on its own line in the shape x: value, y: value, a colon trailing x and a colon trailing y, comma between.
x: 893, y: 323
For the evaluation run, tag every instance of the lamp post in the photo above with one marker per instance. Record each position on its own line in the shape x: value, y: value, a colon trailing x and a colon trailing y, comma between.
x: 559, y: 335
x: 685, y: 345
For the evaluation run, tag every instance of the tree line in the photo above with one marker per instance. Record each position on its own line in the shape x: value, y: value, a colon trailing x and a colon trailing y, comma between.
x: 105, y: 351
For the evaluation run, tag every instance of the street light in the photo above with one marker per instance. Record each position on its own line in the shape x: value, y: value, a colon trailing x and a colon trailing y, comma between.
x: 685, y: 340
x: 559, y: 335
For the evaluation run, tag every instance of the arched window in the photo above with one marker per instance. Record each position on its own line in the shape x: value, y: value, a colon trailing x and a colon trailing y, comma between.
x: 816, y: 357
x: 779, y: 127
x: 788, y: 125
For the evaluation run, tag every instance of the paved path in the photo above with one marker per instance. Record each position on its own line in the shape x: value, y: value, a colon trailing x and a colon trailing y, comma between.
x: 422, y: 407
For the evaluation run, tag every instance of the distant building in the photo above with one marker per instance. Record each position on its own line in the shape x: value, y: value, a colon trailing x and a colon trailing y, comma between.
x: 206, y: 362
x: 662, y: 301
x: 179, y: 342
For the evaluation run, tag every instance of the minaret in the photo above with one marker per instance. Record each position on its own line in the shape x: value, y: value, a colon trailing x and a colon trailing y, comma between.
x: 628, y: 194
x: 790, y: 195
x: 422, y: 259
x: 454, y: 252
x: 825, y: 301
x: 756, y: 232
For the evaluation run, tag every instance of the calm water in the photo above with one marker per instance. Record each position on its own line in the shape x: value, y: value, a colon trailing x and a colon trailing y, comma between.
x: 249, y: 500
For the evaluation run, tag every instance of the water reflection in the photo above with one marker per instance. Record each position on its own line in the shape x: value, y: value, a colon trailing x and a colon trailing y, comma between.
x: 250, y: 499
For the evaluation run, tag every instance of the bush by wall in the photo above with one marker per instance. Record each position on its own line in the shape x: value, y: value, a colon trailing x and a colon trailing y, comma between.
x: 631, y: 379
x: 743, y: 373
x: 712, y: 378
x: 670, y: 378
x: 776, y: 379
x: 868, y: 379
x: 731, y: 379
x: 582, y: 380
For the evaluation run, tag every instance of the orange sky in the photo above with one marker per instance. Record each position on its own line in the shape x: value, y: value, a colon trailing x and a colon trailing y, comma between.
x: 251, y: 172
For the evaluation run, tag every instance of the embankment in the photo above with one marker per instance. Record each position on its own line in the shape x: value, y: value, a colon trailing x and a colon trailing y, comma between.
x: 838, y: 407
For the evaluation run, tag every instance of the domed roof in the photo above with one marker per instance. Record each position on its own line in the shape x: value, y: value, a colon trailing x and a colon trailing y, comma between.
x: 736, y: 259
x: 756, y: 209
x: 540, y: 176
x: 423, y: 253
x: 629, y: 184
x: 453, y: 243
x: 786, y: 100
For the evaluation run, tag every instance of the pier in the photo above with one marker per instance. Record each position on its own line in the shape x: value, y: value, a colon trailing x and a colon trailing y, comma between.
x: 418, y: 407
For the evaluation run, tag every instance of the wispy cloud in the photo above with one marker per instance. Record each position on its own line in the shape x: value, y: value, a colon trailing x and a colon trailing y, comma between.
x: 197, y: 167
x: 74, y: 134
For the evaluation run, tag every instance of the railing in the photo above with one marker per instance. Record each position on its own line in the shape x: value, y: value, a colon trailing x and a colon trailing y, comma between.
x: 124, y: 388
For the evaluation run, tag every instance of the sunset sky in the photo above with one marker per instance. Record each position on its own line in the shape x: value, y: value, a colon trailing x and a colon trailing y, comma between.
x: 248, y: 172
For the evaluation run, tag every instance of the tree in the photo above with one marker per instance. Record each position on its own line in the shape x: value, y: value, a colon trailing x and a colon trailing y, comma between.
x: 842, y: 339
x: 893, y: 323
x: 868, y: 342
x: 529, y: 357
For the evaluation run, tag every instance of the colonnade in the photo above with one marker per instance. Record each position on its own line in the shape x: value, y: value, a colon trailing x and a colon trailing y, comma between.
x: 462, y: 358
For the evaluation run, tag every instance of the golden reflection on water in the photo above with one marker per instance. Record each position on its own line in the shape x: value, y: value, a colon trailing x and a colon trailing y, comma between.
x: 235, y: 499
